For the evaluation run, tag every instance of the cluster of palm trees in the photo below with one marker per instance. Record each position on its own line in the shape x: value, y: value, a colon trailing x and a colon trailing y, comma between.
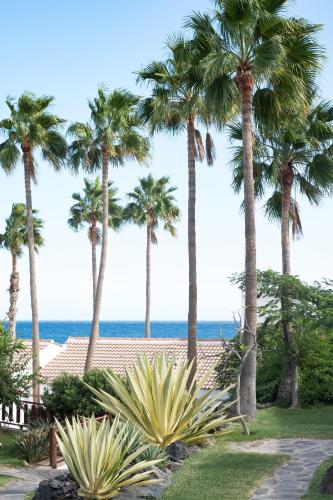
x: 247, y: 66
x: 151, y: 202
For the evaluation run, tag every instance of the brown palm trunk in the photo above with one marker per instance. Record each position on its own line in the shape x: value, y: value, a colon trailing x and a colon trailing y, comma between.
x: 148, y: 280
x: 93, y: 259
x: 248, y: 376
x: 102, y: 264
x: 192, y: 254
x: 94, y: 262
x: 26, y: 148
x: 13, y: 296
x: 288, y: 388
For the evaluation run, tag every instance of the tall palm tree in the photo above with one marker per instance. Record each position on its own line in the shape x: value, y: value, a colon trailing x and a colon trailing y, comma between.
x: 32, y: 127
x: 13, y: 239
x: 152, y: 202
x: 295, y: 159
x: 178, y: 104
x: 88, y: 209
x: 114, y: 136
x: 265, y: 59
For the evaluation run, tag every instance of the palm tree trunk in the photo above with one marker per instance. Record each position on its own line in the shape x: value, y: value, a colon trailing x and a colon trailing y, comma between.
x: 13, y: 296
x: 102, y: 264
x: 192, y: 254
x: 288, y: 388
x: 93, y: 259
x: 248, y: 377
x: 94, y: 263
x: 148, y: 280
x: 32, y: 264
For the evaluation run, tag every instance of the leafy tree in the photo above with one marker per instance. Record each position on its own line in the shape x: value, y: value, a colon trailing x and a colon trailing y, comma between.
x: 114, y: 137
x: 15, y: 372
x: 152, y: 202
x: 32, y: 127
x: 295, y: 159
x: 13, y: 239
x: 88, y: 209
x: 310, y: 314
x: 178, y: 104
x: 264, y: 59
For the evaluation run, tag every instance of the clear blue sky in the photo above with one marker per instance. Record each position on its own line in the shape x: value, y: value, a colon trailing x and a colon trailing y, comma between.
x: 66, y: 49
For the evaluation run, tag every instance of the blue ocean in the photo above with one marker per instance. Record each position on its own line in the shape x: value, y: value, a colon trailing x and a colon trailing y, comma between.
x: 59, y: 331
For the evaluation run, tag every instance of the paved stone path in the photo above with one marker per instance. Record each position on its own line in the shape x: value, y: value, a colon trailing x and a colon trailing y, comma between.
x: 28, y: 479
x: 291, y: 480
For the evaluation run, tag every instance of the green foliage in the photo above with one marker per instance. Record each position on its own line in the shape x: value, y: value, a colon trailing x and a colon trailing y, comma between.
x: 95, y: 378
x: 15, y: 374
x: 68, y: 395
x: 32, y: 124
x: 160, y: 403
x: 310, y: 313
x: 88, y: 209
x: 115, y: 125
x: 153, y: 202
x: 34, y: 441
x: 100, y: 456
x: 62, y: 397
x: 16, y: 232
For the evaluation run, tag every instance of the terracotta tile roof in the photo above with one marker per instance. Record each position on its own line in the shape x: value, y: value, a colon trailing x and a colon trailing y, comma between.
x: 115, y: 353
x: 42, y: 343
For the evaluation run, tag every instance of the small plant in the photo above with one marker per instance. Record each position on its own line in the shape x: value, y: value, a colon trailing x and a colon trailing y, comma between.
x: 100, y: 456
x: 159, y: 403
x: 34, y: 441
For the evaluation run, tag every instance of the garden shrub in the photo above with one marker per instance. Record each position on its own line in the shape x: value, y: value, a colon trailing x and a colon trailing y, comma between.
x: 63, y: 395
x: 68, y: 395
x: 34, y: 441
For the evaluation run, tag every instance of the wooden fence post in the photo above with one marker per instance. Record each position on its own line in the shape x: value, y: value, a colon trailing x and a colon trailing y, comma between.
x: 53, y: 447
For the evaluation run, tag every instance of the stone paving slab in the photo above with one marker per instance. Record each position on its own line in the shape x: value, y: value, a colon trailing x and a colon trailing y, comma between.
x: 28, y: 479
x: 291, y: 480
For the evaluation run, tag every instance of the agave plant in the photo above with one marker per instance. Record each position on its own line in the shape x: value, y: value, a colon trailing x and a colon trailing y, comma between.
x: 100, y: 457
x: 156, y: 399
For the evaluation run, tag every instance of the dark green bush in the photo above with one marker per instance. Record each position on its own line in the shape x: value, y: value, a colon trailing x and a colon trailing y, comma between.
x: 315, y: 370
x: 67, y: 395
x: 62, y: 397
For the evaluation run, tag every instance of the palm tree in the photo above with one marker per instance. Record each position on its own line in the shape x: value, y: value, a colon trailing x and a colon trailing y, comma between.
x: 152, y: 202
x: 177, y: 104
x: 31, y: 127
x: 251, y: 47
x: 114, y: 137
x: 13, y: 239
x: 88, y: 209
x: 294, y: 158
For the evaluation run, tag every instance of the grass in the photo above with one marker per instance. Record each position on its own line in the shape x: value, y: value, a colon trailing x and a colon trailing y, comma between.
x: 10, y: 455
x: 29, y: 496
x: 5, y: 480
x: 314, y: 488
x: 218, y: 472
x: 279, y: 423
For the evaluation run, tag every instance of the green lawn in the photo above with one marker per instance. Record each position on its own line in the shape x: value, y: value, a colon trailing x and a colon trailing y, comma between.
x: 9, y: 453
x: 5, y: 480
x: 219, y: 473
x: 281, y: 423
